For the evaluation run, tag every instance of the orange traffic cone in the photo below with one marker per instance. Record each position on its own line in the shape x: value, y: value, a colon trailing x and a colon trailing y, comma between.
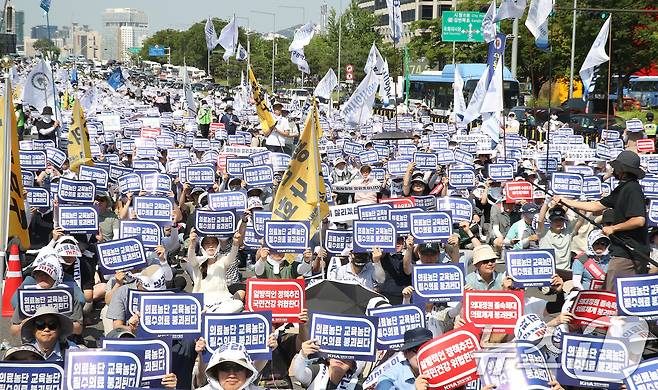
x: 13, y: 280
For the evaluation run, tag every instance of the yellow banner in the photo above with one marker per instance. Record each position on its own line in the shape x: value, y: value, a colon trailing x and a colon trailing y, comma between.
x: 11, y: 178
x: 264, y: 113
x: 78, y: 148
x: 302, y: 195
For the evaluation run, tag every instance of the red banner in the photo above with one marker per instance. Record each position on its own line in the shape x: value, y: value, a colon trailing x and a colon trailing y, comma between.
x: 214, y: 128
x: 594, y: 269
x: 597, y: 284
x: 518, y: 190
x: 448, y: 360
x: 646, y: 145
x: 594, y: 307
x: 400, y: 203
x: 221, y: 161
x: 285, y: 298
x: 495, y: 310
x: 149, y: 132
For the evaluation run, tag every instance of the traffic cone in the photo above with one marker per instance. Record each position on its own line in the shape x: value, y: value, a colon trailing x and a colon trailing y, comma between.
x: 13, y: 280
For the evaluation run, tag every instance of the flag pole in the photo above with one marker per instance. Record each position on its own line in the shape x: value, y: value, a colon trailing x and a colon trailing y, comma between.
x: 607, y: 103
x: 6, y: 63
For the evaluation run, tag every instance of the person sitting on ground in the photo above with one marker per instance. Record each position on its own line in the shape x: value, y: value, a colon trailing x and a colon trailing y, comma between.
x: 47, y: 330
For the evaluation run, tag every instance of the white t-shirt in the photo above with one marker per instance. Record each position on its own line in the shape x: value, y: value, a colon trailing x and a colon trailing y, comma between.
x: 275, y: 138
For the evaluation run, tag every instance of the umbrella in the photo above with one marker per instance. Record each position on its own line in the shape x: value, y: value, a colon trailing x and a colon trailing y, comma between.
x: 393, y: 135
x: 339, y: 298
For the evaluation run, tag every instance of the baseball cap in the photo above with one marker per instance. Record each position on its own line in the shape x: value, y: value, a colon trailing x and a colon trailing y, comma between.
x: 530, y: 208
x: 254, y: 202
x: 557, y: 213
x: 429, y: 248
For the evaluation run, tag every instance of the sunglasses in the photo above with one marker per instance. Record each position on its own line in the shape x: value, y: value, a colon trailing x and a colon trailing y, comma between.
x: 41, y: 325
x: 230, y: 367
x: 488, y: 261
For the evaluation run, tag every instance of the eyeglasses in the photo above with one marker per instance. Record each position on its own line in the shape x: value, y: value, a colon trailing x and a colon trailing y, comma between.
x: 487, y: 261
x: 230, y: 367
x: 41, y: 325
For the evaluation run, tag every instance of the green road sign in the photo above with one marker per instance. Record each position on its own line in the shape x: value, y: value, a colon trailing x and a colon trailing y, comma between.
x: 461, y: 26
x: 135, y: 50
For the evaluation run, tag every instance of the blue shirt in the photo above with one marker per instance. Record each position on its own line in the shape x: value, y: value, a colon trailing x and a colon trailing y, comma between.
x: 478, y: 283
x: 398, y: 377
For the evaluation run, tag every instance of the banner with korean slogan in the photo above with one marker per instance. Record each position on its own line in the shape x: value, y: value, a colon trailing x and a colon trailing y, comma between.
x: 31, y: 299
x: 438, y: 282
x: 495, y: 310
x: 249, y: 329
x: 284, y: 298
x: 76, y: 191
x: 97, y: 369
x: 120, y: 255
x: 230, y: 200
x: 153, y: 353
x: 78, y: 219
x: 393, y: 321
x: 153, y: 209
x: 263, y: 111
x: 149, y: 233
x: 592, y: 362
x: 78, y: 148
x: 287, y: 236
x: 335, y: 241
x: 449, y: 360
x: 531, y: 267
x: 638, y: 296
x: 519, y: 365
x: 460, y: 209
x: 431, y: 226
x: 370, y: 234
x: 344, y: 337
x: 302, y: 195
x: 644, y: 376
x: 31, y: 375
x: 214, y: 223
x: 594, y: 307
x: 177, y: 315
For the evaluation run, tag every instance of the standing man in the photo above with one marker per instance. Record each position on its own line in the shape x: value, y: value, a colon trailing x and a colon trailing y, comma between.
x: 203, y: 118
x: 650, y: 127
x: 628, y: 202
x: 47, y: 127
x: 230, y: 120
x: 276, y: 138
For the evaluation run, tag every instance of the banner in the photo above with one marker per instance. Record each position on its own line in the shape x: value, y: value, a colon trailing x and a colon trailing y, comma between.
x: 393, y: 322
x: 448, y: 360
x: 594, y: 307
x: 344, y: 337
x: 351, y: 189
x: 592, y: 362
x: 31, y: 375
x: 79, y: 150
x: 287, y: 236
x: 55, y: 156
x: 495, y: 310
x: 33, y: 160
x: 178, y: 315
x: 117, y: 171
x: 335, y: 241
x: 131, y: 182
x: 427, y: 202
x: 96, y: 175
x: 460, y: 209
x: 401, y: 219
x: 156, y: 183
x: 343, y: 213
x: 149, y: 233
x: 592, y: 188
x: 358, y: 108
x: 374, y: 212
x: 154, y: 354
x: 531, y: 267
x: 368, y: 157
x: 31, y: 299
x: 501, y: 172
x: 258, y: 176
x: 438, y: 282
x: 200, y: 175
x: 518, y: 191
x: 251, y: 330
x: 76, y: 191
x: 426, y: 161
x: 643, y: 376
x: 568, y: 184
x: 96, y: 369
x: 214, y: 223
x: 431, y: 226
x: 263, y: 111
x: 518, y: 365
x: 445, y: 156
x: 153, y: 209
x: 370, y: 234
x: 37, y: 197
x: 397, y: 167
x: 638, y: 296
x: 284, y: 298
x: 231, y: 200
x: 120, y: 255
x: 78, y: 219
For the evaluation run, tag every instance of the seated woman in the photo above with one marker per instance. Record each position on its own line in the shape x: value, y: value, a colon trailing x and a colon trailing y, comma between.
x: 335, y: 374
x: 231, y: 368
x: 47, y: 330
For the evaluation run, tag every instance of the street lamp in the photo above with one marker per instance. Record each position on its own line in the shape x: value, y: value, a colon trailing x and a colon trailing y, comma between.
x: 273, y: 15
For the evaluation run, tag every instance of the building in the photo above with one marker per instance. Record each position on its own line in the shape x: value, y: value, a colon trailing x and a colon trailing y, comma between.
x: 123, y: 29
x: 41, y: 32
x: 20, y: 29
x: 85, y: 42
x: 411, y: 11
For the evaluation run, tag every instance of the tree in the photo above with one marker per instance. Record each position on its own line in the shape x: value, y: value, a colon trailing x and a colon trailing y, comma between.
x: 46, y: 47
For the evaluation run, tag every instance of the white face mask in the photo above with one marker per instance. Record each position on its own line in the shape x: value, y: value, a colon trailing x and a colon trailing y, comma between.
x: 46, y: 118
x: 340, y: 171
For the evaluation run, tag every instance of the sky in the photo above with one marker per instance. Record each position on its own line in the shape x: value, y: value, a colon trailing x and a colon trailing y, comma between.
x: 178, y: 14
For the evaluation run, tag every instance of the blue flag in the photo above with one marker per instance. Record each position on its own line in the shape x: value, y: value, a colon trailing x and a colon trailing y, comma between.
x: 116, y: 79
x: 74, y: 76
x: 45, y: 5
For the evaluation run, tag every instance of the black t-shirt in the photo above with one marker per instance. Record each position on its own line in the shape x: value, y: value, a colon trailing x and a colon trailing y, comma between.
x: 277, y: 368
x: 396, y: 279
x: 86, y: 274
x: 628, y: 201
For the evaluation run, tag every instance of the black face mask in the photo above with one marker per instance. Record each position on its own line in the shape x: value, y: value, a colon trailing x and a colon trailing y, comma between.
x: 617, y: 175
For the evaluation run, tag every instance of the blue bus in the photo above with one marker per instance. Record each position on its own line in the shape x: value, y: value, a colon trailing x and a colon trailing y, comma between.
x: 435, y: 88
x: 645, y: 90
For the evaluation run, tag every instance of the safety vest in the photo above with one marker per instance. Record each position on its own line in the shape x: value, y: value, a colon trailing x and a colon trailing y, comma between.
x: 650, y: 129
x: 21, y: 118
x: 205, y: 116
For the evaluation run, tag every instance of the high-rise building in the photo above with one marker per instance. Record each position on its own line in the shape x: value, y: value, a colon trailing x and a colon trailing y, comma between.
x: 123, y: 29
x: 86, y: 42
x: 20, y: 28
x: 41, y: 32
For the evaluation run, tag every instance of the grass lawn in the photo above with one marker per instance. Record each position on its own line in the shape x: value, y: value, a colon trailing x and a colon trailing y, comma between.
x: 642, y: 115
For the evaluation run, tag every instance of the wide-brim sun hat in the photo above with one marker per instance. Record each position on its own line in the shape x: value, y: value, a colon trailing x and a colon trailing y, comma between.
x: 628, y: 161
x: 65, y: 323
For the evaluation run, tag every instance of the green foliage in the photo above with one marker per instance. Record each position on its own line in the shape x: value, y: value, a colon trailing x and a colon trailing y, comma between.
x: 46, y: 47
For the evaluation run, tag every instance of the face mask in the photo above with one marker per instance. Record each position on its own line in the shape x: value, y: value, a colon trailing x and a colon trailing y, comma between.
x: 340, y: 171
x: 616, y: 174
x: 46, y: 118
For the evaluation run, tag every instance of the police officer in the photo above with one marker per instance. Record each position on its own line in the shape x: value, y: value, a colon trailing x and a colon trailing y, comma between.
x: 650, y: 127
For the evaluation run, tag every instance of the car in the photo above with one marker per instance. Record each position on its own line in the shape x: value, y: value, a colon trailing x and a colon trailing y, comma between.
x: 592, y: 124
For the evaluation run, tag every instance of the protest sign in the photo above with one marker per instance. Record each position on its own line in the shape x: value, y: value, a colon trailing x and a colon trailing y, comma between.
x: 352, y: 148
x: 258, y: 219
x: 592, y: 188
x: 460, y: 209
x: 501, y: 172
x: 592, y: 362
x: 42, y: 144
x: 464, y: 157
x: 258, y: 176
x: 153, y: 209
x: 30, y: 299
x: 120, y: 255
x: 248, y: 329
x: 461, y: 178
x: 518, y: 190
x: 148, y: 165
x: 352, y: 188
x: 56, y: 156
x: 530, y: 267
x: 426, y: 202
x: 445, y: 157
x: 214, y: 223
x: 401, y: 219
x: 399, y: 203
x: 335, y: 241
x: 425, y: 161
x: 97, y: 175
x: 495, y: 310
x: 397, y: 168
x: 146, y: 152
x: 644, y: 376
x: 374, y: 212
x: 31, y: 375
x: 165, y: 142
x: 549, y: 165
x: 78, y: 219
x: 97, y: 369
x: 437, y: 141
x: 235, y: 165
x: 177, y: 153
x: 178, y: 315
x: 149, y: 233
x: 370, y: 234
x: 33, y: 160
x: 431, y: 226
x: 650, y: 187
x: 406, y: 152
x: 116, y: 171
x: 284, y: 298
x: 280, y: 161
x: 580, y: 169
x: 594, y: 307
x: 438, y: 282
x: 376, y: 373
x: 287, y: 236
x: 343, y: 213
x: 448, y: 360
x: 131, y: 182
x: 153, y: 353
x: 393, y: 321
x: 652, y: 213
x: 37, y: 197
x: 368, y: 157
x: 344, y: 337
x: 638, y: 296
x: 530, y: 327
x: 27, y: 178
x: 200, y: 144
x: 261, y: 158
x: 646, y: 145
x: 231, y: 200
x: 200, y: 175
x: 568, y: 184
x: 518, y: 365
x: 156, y: 183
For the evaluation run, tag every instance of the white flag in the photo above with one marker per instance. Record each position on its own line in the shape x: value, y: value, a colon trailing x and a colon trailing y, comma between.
x: 228, y: 38
x: 488, y: 25
x: 595, y: 57
x: 510, y: 9
x: 187, y: 92
x: 298, y: 58
x: 358, y: 109
x: 326, y: 85
x: 475, y: 103
x: 241, y: 53
x: 303, y: 36
x: 211, y: 35
x: 88, y: 100
x: 375, y: 61
x: 537, y: 21
x: 394, y: 19
x: 493, y: 99
x: 38, y: 90
x: 491, y: 125
x: 458, y: 105
x: 385, y: 87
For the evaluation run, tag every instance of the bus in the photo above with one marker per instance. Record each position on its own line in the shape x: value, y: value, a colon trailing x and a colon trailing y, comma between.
x: 645, y: 90
x: 435, y: 88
